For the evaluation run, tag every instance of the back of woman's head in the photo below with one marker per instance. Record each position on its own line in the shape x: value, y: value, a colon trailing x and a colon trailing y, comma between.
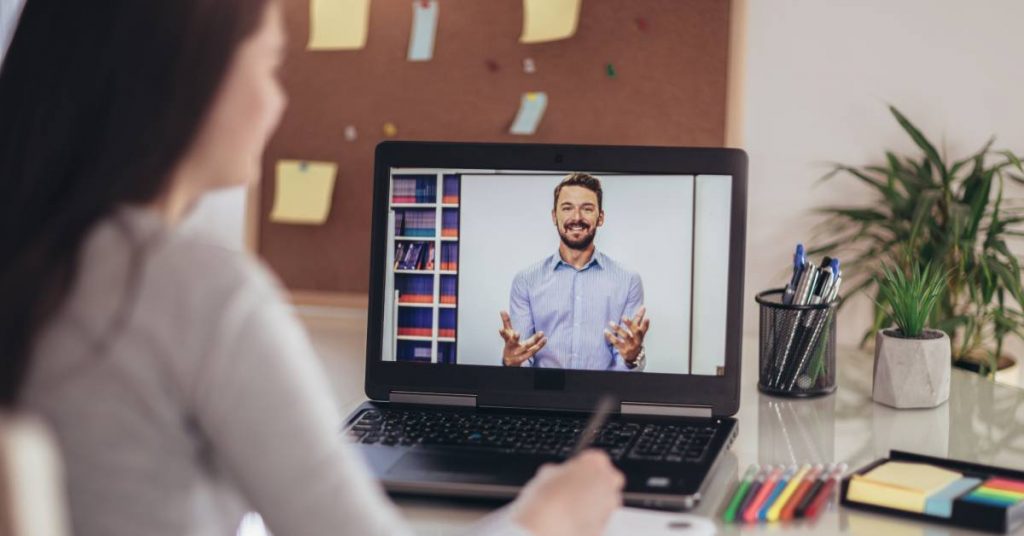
x: 99, y: 101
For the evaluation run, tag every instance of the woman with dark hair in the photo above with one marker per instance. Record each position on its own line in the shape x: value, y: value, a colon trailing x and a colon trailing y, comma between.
x: 180, y: 386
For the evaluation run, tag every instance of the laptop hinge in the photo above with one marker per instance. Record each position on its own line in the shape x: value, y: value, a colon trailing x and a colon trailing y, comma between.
x: 432, y: 399
x: 666, y: 410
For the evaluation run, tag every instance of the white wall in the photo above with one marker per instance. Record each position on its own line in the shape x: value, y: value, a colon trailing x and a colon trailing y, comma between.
x: 818, y: 77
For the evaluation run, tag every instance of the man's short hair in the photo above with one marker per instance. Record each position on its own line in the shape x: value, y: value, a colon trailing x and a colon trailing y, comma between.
x: 585, y: 180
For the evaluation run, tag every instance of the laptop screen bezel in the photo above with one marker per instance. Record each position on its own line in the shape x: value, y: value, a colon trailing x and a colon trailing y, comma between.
x: 555, y: 388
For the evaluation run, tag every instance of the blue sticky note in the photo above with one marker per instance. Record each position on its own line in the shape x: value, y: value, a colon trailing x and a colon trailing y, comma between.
x: 940, y: 503
x: 531, y: 111
x: 424, y: 28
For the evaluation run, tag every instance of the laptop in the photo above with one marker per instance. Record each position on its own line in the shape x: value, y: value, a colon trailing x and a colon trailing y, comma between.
x: 512, y: 286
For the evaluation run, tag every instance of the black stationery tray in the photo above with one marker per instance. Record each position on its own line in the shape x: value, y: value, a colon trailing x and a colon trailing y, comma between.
x: 965, y: 514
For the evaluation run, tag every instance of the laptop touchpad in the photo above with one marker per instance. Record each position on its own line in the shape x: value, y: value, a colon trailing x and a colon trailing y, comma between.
x: 462, y: 467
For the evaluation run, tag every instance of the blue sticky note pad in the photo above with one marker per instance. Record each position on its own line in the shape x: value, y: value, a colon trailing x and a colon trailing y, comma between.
x: 940, y: 503
x: 531, y: 111
x: 424, y: 28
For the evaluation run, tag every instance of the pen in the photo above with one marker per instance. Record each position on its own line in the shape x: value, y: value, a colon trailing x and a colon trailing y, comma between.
x: 812, y: 492
x: 789, y: 511
x: 755, y: 487
x: 826, y: 491
x: 799, y: 259
x: 776, y: 510
x: 762, y: 514
x: 741, y: 491
x: 597, y: 420
x: 750, y: 514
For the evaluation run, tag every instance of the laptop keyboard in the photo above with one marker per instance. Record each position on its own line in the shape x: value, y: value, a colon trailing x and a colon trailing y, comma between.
x: 532, y: 434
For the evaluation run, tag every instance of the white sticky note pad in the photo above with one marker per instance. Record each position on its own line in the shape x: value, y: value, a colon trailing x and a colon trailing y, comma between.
x: 303, y: 191
x: 531, y: 111
x: 424, y: 29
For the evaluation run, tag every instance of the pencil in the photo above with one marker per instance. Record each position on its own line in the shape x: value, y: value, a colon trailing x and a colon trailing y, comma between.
x: 774, y: 495
x: 741, y: 492
x: 825, y: 492
x: 750, y: 514
x: 789, y: 511
x: 776, y: 510
x: 755, y: 487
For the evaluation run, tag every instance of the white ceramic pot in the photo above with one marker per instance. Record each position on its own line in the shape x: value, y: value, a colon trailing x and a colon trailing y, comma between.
x: 911, y: 373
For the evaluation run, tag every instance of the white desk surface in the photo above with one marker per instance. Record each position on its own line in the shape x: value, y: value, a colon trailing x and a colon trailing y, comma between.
x: 982, y: 421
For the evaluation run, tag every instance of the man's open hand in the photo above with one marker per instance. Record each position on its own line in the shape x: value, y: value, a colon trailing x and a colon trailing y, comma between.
x: 515, y: 353
x: 628, y: 337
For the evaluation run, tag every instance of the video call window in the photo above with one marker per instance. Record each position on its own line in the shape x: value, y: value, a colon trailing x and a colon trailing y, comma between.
x: 586, y: 271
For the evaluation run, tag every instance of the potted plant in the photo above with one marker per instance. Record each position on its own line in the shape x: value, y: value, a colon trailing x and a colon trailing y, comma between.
x: 912, y: 363
x: 950, y: 214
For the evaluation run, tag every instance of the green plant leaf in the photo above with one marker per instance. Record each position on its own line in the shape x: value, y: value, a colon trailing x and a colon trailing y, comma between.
x: 929, y: 150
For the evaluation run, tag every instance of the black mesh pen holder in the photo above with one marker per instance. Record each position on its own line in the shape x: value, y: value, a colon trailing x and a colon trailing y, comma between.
x: 797, y: 347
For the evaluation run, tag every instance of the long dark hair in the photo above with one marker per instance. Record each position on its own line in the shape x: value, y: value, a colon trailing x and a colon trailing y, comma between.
x: 99, y: 101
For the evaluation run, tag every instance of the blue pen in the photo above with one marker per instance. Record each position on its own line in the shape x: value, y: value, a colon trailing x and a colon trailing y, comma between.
x: 835, y: 268
x: 799, y: 261
x: 779, y: 486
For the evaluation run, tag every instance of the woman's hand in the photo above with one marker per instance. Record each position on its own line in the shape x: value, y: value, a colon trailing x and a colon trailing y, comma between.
x: 576, y: 497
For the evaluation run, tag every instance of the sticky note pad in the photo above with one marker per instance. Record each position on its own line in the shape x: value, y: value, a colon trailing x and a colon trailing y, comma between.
x: 1005, y: 483
x: 900, y: 485
x: 999, y: 493
x: 940, y: 504
x: 1000, y: 502
x: 304, y: 191
x: 531, y: 111
x: 338, y: 24
x: 424, y: 28
x: 549, y: 20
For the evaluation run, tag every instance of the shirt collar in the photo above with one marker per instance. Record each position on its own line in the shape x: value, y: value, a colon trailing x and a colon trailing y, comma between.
x: 597, y: 259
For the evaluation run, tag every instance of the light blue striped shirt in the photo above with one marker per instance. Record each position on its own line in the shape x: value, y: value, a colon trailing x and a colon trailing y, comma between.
x: 573, y: 307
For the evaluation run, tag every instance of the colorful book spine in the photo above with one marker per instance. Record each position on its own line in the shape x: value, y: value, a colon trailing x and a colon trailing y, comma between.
x: 446, y: 323
x: 414, y: 288
x: 450, y: 256
x: 415, y: 322
x: 411, y: 189
x: 446, y: 353
x: 448, y: 290
x: 415, y: 222
x: 417, y: 351
x: 450, y: 222
x: 451, y: 189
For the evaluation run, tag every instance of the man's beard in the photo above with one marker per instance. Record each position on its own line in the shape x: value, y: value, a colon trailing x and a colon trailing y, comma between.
x: 579, y: 245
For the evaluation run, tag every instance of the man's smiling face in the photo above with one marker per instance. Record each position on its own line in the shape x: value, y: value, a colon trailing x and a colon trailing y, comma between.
x: 577, y: 216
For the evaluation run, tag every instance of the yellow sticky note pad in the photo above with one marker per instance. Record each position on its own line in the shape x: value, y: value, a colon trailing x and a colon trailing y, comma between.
x: 900, y: 485
x: 304, y: 191
x: 549, y: 20
x: 338, y: 24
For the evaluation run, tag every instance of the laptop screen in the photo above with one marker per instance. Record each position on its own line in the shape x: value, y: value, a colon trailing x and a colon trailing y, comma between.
x: 586, y: 271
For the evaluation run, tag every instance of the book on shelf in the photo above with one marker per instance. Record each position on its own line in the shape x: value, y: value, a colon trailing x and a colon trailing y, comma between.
x: 450, y: 222
x: 415, y: 222
x: 449, y: 256
x: 451, y: 190
x: 411, y: 189
x: 446, y: 323
x: 416, y: 322
x: 415, y: 288
x: 446, y: 353
x: 448, y: 285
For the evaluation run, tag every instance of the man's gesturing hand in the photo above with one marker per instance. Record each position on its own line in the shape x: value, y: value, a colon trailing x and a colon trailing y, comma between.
x: 515, y: 353
x: 628, y: 338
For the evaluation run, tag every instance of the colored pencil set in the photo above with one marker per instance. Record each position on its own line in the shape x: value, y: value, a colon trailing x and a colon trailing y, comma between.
x: 779, y: 493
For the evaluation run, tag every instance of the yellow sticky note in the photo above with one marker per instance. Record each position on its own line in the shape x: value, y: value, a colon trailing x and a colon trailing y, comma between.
x: 549, y: 20
x: 900, y: 485
x: 304, y: 191
x: 338, y: 24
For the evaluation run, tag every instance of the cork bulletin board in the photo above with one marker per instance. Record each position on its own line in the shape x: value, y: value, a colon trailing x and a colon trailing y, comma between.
x: 674, y: 84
